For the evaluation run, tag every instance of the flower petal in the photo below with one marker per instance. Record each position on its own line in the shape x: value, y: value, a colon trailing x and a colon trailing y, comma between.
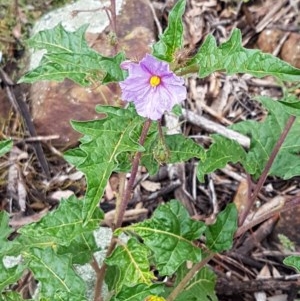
x: 155, y: 67
x: 177, y: 93
x: 151, y: 102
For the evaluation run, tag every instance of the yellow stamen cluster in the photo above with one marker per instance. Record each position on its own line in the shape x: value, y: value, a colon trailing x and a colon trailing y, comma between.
x: 154, y: 81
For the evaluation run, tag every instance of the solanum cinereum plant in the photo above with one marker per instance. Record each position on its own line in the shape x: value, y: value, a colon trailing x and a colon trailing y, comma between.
x: 133, y: 136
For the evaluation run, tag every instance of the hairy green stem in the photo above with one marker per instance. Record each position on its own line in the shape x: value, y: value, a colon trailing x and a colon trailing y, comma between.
x: 189, y: 276
x: 120, y: 211
x: 266, y: 170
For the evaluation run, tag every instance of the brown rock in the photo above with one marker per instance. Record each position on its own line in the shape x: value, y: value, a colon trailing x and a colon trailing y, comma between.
x: 268, y: 40
x: 55, y: 104
x: 290, y: 51
x: 288, y: 225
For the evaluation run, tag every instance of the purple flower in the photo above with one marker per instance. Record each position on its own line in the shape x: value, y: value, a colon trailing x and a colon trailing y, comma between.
x: 152, y: 87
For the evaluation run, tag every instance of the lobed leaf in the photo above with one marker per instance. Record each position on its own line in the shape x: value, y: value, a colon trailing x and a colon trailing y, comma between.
x: 200, y: 288
x: 65, y: 296
x: 12, y: 296
x: 113, y: 278
x: 232, y: 57
x: 138, y: 292
x: 5, y: 230
x: 219, y: 236
x: 291, y: 105
x: 264, y: 136
x: 82, y: 248
x: 54, y: 272
x: 58, y: 40
x: 180, y: 149
x: 103, y: 142
x: 183, y: 148
x: 63, y: 224
x: 26, y: 243
x: 69, y: 56
x: 9, y: 275
x: 221, y: 152
x: 5, y: 146
x: 170, y: 234
x: 131, y: 260
x: 58, y: 228
x: 293, y: 261
x: 172, y: 38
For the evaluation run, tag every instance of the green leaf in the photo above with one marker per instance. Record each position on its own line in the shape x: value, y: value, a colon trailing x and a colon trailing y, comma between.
x: 291, y: 105
x: 219, y: 236
x: 183, y: 148
x: 232, y: 57
x: 104, y: 141
x: 5, y: 146
x: 5, y: 230
x: 9, y: 275
x: 69, y: 56
x: 58, y: 228
x: 25, y: 243
x: 65, y: 296
x: 54, y: 272
x: 12, y: 296
x: 177, y: 110
x: 63, y: 224
x: 172, y: 38
x: 170, y: 234
x: 221, y: 152
x: 293, y: 261
x: 112, y: 277
x: 200, y: 288
x: 132, y: 262
x: 180, y: 149
x: 138, y: 292
x: 264, y: 136
x: 58, y: 40
x: 82, y: 248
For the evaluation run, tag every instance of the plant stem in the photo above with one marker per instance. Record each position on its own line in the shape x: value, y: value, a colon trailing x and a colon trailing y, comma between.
x: 120, y: 211
x: 113, y: 25
x: 134, y: 169
x: 266, y: 170
x: 197, y: 267
x: 101, y: 273
x: 95, y: 265
x: 160, y: 131
x: 113, y: 15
